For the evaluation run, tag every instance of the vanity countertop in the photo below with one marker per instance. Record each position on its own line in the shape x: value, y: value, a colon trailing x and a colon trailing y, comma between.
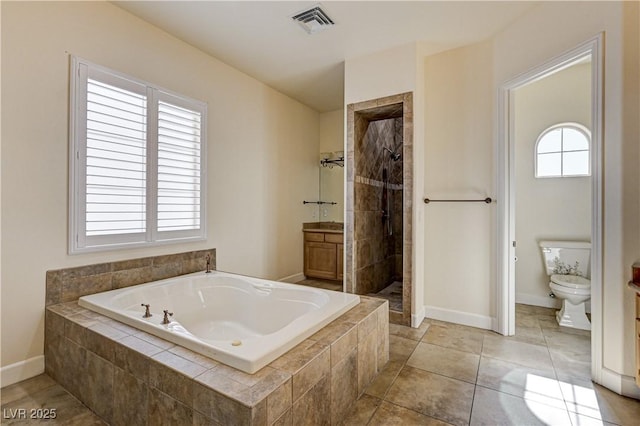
x: 326, y: 231
x: 634, y: 286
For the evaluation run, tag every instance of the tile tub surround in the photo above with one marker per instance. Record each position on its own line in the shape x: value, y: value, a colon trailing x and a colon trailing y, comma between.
x: 126, y: 376
x: 67, y: 285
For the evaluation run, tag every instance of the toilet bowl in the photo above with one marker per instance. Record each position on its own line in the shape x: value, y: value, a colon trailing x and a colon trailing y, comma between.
x: 574, y: 292
x: 567, y: 264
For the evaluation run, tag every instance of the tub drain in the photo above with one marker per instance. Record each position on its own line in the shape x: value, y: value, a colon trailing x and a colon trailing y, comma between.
x: 236, y: 343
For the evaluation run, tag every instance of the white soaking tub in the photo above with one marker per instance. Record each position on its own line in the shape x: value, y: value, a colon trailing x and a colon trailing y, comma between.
x: 240, y: 321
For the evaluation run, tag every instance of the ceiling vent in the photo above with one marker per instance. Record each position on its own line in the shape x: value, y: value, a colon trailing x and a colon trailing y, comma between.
x: 313, y: 20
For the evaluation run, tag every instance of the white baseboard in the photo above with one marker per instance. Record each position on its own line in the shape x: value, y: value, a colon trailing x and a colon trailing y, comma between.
x: 293, y: 278
x: 544, y: 301
x: 536, y: 300
x: 21, y: 370
x: 458, y: 317
x: 620, y: 383
x: 416, y: 319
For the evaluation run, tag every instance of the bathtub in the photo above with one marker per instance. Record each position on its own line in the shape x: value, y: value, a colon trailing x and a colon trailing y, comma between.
x: 240, y: 321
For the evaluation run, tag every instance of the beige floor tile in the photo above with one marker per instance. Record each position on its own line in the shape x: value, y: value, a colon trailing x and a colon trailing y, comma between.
x: 534, y: 310
x: 463, y: 338
x: 531, y: 335
x: 385, y: 379
x: 594, y: 401
x: 68, y: 410
x: 409, y: 332
x: 517, y: 352
x: 433, y: 395
x: 362, y: 411
x: 400, y: 348
x: 567, y: 342
x: 393, y: 415
x: 445, y: 361
x: 567, y: 364
x: 526, y: 320
x: 518, y: 380
x: 26, y: 387
x: 495, y: 408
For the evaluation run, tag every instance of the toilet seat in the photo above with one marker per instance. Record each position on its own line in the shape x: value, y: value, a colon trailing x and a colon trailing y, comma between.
x: 571, y: 281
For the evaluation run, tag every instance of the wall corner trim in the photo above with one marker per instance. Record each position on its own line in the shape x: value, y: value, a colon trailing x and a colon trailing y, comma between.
x: 619, y: 383
x: 21, y: 370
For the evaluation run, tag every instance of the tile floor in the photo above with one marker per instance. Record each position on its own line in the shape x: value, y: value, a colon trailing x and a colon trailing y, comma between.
x: 443, y: 373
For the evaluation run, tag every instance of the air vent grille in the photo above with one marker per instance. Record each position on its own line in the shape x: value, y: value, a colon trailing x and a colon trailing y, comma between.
x: 313, y: 20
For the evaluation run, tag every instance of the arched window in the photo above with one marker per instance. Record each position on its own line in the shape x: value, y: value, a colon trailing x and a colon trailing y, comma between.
x: 563, y: 150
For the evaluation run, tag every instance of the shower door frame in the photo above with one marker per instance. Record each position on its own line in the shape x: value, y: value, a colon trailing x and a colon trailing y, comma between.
x: 357, y: 116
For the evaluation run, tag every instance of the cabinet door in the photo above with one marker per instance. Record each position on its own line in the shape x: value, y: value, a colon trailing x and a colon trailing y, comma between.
x: 638, y: 351
x: 339, y: 261
x: 320, y: 260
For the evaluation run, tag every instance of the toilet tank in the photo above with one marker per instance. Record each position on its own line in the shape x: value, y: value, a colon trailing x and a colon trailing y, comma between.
x: 567, y: 257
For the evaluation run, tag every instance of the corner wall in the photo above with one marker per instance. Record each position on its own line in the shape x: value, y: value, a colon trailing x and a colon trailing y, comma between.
x: 536, y: 38
x: 262, y: 154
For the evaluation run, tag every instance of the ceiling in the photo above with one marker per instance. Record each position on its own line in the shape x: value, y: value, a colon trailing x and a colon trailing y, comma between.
x: 260, y: 38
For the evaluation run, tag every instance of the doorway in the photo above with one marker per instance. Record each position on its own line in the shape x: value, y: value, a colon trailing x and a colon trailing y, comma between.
x: 588, y: 54
x: 378, y: 239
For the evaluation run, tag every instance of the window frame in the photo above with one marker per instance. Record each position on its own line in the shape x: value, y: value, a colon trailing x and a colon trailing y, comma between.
x: 79, y: 242
x: 570, y: 125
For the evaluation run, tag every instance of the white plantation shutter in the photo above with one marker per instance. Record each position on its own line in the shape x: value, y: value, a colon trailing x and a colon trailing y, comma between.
x: 179, y: 168
x: 137, y: 175
x: 116, y: 160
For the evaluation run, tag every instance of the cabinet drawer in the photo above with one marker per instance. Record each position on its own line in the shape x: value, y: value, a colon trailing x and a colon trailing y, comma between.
x: 313, y: 236
x: 333, y: 238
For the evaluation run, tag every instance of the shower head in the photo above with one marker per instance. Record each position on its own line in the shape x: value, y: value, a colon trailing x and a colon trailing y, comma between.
x: 395, y: 156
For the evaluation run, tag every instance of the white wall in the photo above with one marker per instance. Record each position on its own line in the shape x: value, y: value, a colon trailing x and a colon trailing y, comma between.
x: 262, y: 156
x: 332, y: 179
x: 548, y: 208
x: 459, y: 244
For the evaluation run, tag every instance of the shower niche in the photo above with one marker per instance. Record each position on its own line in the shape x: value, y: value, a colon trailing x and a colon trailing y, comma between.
x: 379, y: 199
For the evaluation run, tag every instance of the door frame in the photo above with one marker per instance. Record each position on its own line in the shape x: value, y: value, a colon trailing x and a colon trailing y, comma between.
x: 505, y: 303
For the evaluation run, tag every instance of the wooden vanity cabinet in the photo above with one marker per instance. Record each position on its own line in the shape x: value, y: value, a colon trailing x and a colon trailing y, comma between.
x: 638, y: 339
x: 323, y: 253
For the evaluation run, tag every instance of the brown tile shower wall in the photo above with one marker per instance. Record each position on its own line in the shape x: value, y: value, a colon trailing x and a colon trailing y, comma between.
x: 128, y: 377
x: 66, y: 285
x: 378, y: 254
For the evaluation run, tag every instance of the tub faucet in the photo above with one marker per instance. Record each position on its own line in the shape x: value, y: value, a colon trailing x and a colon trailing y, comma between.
x: 147, y: 314
x: 208, y: 271
x: 167, y: 314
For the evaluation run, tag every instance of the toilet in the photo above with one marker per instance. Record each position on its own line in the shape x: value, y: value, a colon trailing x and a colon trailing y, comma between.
x: 568, y: 265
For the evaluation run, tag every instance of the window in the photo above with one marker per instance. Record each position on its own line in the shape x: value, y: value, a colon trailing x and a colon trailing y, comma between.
x: 563, y: 150
x: 137, y: 169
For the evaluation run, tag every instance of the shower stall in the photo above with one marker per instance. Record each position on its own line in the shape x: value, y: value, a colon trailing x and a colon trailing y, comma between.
x: 379, y: 200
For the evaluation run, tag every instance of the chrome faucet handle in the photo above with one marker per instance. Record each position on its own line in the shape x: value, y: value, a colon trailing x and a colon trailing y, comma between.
x: 208, y: 271
x: 147, y: 313
x: 167, y: 314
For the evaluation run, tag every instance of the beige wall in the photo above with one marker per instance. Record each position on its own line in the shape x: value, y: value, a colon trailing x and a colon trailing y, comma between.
x: 548, y: 208
x: 332, y: 179
x: 391, y: 72
x: 456, y: 154
x: 262, y: 156
x: 459, y: 244
x: 525, y: 45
